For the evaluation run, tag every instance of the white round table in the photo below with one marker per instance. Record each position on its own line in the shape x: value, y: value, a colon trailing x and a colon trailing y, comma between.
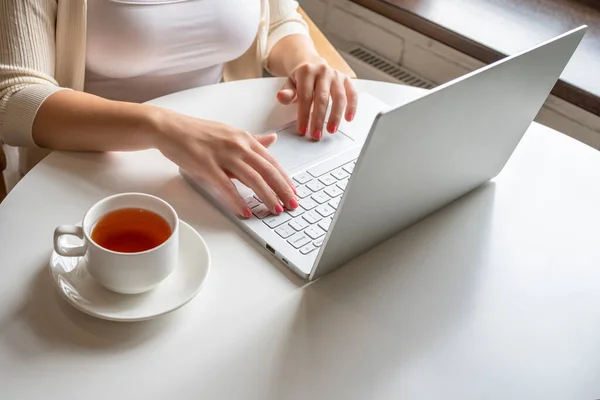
x: 496, y: 296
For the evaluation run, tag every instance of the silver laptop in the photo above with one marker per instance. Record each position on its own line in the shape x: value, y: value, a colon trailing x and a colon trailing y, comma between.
x: 392, y: 167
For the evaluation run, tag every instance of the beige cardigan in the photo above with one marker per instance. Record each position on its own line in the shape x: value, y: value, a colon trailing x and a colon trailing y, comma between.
x: 42, y: 50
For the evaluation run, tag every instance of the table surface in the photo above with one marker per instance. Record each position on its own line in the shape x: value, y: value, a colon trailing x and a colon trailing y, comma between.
x: 496, y: 296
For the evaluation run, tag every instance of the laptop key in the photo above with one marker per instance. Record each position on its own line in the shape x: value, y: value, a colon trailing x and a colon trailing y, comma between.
x: 261, y: 211
x: 327, y: 180
x: 319, y: 242
x: 342, y: 184
x: 314, y: 232
x: 298, y: 224
x: 276, y: 220
x: 285, y: 231
x: 335, y: 202
x: 348, y: 168
x: 299, y: 239
x: 297, y: 212
x: 252, y: 202
x: 340, y: 174
x: 302, y: 178
x: 325, y: 223
x: 315, y: 185
x: 308, y: 203
x: 303, y: 191
x: 312, y: 217
x: 321, y: 197
x: 257, y: 198
x: 333, y: 191
x: 307, y: 249
x: 325, y: 210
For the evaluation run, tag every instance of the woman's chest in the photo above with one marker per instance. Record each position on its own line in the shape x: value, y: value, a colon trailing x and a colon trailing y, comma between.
x: 140, y: 37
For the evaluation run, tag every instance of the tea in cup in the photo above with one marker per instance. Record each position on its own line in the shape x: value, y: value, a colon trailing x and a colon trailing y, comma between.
x: 130, y: 242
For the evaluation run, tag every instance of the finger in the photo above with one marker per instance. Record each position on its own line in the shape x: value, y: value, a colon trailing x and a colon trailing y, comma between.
x: 352, y: 98
x: 264, y: 153
x: 266, y: 140
x: 320, y: 104
x: 287, y: 94
x: 226, y: 187
x: 338, y: 97
x: 305, y: 85
x: 251, y: 178
x: 274, y: 178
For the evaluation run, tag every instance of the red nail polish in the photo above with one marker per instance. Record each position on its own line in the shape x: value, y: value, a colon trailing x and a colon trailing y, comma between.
x: 317, y: 134
x: 332, y: 128
x: 247, y: 213
x: 303, y: 130
x: 278, y: 209
x: 350, y: 117
x: 293, y: 204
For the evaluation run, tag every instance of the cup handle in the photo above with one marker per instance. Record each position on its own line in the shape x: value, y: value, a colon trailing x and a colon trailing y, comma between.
x: 78, y: 251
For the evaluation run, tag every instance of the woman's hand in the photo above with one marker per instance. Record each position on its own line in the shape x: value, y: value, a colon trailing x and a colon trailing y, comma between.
x: 215, y: 152
x: 311, y: 85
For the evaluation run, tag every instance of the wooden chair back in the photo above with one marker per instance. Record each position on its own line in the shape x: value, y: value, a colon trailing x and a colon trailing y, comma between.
x: 2, y: 168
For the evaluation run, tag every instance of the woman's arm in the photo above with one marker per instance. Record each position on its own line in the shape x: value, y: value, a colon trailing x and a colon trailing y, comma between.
x: 75, y: 121
x: 27, y: 47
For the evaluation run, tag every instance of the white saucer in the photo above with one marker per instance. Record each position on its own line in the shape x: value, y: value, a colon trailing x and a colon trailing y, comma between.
x: 80, y: 290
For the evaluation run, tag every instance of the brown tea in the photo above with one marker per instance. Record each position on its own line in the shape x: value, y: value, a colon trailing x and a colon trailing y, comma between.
x: 131, y: 230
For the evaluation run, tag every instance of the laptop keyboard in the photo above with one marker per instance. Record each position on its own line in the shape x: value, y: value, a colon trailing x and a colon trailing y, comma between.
x: 319, y: 190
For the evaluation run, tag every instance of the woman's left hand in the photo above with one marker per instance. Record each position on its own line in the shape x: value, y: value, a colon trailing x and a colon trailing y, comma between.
x: 311, y: 85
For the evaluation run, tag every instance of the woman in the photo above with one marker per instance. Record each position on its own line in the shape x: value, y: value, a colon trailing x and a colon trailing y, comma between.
x: 116, y: 54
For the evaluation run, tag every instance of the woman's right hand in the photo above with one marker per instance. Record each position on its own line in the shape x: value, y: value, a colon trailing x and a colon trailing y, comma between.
x: 215, y: 152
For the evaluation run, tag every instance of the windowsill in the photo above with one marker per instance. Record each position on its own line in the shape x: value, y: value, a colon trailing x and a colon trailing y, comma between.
x: 488, y: 30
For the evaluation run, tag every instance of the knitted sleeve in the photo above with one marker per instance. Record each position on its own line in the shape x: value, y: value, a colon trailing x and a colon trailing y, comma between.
x: 284, y: 21
x: 27, y: 58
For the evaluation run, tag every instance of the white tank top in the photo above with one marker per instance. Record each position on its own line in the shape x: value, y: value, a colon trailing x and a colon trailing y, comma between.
x: 138, y: 50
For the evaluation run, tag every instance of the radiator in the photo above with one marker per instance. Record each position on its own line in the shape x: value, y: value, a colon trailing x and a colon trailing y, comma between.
x: 371, y: 66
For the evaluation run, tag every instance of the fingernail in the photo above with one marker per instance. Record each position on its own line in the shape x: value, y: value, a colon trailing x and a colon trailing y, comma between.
x: 350, y: 117
x: 278, y: 209
x: 332, y: 128
x: 247, y: 213
x: 293, y: 204
x: 317, y: 134
x: 303, y: 130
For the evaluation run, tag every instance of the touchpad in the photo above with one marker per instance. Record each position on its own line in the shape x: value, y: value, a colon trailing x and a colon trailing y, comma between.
x: 293, y: 150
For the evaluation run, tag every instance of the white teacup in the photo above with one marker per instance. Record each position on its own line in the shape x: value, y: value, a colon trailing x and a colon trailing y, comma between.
x: 127, y: 273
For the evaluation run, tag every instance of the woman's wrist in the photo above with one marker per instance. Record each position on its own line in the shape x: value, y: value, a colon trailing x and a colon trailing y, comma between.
x: 302, y: 58
x: 154, y: 125
x: 291, y: 52
x: 306, y: 59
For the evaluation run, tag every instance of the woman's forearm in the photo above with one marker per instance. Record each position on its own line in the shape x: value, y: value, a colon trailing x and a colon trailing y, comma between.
x: 76, y: 121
